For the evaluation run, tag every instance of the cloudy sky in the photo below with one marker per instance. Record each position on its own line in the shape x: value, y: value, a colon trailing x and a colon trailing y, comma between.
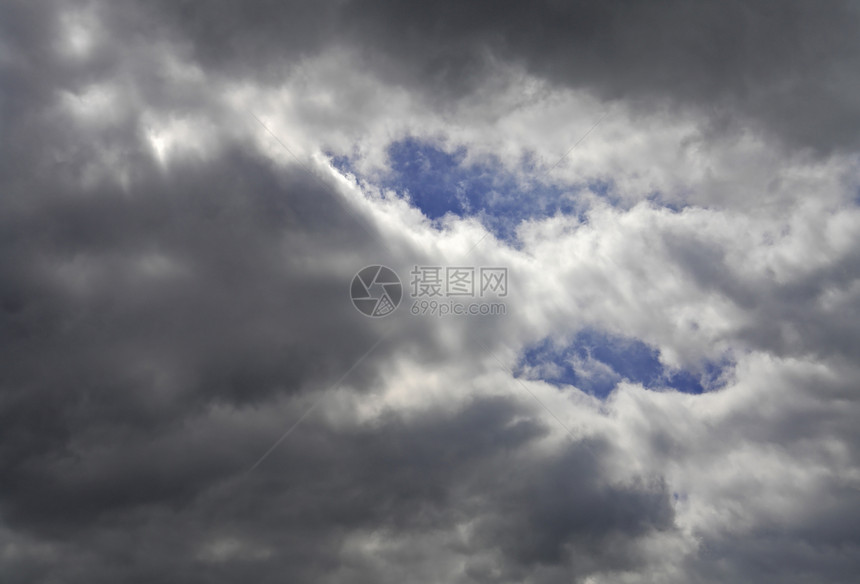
x: 667, y: 395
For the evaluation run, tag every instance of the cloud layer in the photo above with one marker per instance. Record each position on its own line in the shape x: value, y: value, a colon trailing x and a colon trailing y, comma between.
x: 187, y: 394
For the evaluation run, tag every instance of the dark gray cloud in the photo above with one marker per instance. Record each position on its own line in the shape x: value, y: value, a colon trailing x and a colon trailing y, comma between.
x: 171, y: 497
x: 788, y: 70
x: 820, y: 546
x: 783, y: 318
x: 145, y: 323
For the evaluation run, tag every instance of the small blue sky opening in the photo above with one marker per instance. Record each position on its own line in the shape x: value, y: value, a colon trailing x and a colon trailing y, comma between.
x: 596, y: 362
x: 439, y: 183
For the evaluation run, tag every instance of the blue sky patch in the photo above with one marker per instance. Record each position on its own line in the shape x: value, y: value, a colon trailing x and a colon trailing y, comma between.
x: 438, y: 182
x: 596, y: 362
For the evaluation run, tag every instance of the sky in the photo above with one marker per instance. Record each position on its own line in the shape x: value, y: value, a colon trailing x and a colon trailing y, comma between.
x: 205, y: 377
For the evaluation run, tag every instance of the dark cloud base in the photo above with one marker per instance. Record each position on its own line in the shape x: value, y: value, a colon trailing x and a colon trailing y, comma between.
x: 785, y: 69
x: 114, y: 371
